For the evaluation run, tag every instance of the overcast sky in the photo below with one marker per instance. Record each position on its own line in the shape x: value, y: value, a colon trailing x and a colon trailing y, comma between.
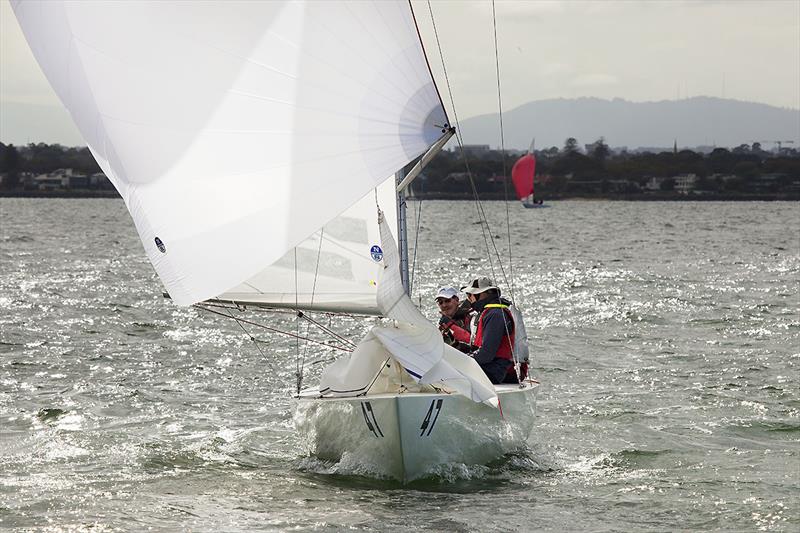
x: 636, y: 50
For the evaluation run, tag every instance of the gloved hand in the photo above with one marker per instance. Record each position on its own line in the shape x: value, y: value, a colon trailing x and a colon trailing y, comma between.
x: 445, y: 323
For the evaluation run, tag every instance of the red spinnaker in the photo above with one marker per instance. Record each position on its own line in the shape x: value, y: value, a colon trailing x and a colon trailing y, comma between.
x: 522, y: 175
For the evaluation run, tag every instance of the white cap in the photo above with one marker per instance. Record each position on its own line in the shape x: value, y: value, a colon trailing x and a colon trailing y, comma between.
x: 446, y: 292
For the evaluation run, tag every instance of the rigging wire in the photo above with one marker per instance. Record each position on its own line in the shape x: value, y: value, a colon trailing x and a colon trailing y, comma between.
x: 503, y: 151
x: 248, y: 334
x: 298, y: 369
x: 299, y: 314
x: 302, y: 361
x: 479, y: 205
x: 517, y: 366
x: 327, y: 330
x: 275, y: 310
x: 460, y: 141
x: 485, y: 228
x: 268, y: 328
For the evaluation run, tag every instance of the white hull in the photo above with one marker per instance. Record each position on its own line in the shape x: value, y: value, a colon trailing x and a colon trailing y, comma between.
x: 406, y: 436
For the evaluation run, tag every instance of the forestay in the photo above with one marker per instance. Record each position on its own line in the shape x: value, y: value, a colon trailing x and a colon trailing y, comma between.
x: 235, y: 130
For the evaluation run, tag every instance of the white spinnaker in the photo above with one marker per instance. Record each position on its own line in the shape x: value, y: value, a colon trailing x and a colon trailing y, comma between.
x: 338, y: 274
x: 234, y: 130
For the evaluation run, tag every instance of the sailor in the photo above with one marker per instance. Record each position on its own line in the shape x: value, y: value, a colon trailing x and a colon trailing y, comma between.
x: 455, y: 320
x: 493, y: 331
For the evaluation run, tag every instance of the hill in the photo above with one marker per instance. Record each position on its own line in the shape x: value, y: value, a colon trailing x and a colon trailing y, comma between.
x: 697, y: 121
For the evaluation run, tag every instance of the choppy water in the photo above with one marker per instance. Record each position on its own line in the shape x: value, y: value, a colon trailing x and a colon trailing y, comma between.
x: 666, y: 339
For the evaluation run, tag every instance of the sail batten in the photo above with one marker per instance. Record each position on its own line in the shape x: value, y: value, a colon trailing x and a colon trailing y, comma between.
x: 234, y: 131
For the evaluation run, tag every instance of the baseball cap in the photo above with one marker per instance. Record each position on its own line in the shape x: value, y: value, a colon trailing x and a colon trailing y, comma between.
x: 446, y: 292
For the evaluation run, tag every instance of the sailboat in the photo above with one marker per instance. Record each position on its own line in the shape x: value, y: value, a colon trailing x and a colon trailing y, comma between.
x: 259, y: 149
x: 522, y: 174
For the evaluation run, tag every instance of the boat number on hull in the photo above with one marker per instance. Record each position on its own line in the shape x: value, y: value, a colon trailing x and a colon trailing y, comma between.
x: 427, y: 424
x: 372, y: 425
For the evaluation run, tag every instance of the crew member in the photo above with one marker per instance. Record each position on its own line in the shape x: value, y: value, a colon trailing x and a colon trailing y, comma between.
x: 493, y: 333
x: 455, y: 320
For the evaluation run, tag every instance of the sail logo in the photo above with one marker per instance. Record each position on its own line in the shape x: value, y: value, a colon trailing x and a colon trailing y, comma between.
x: 160, y: 246
x: 376, y: 253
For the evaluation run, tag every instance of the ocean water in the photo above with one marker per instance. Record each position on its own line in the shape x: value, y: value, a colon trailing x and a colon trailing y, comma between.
x: 666, y: 337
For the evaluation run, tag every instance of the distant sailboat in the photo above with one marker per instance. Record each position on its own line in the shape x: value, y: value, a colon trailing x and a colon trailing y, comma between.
x: 252, y: 143
x: 522, y: 174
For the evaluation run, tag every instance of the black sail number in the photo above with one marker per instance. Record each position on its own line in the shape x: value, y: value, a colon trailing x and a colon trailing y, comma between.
x: 427, y: 424
x: 372, y: 424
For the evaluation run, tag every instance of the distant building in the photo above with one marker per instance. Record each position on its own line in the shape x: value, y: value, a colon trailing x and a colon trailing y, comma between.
x: 78, y: 181
x: 767, y: 183
x: 65, y: 178
x: 684, y: 183
x: 58, y: 179
x: 476, y: 150
x: 99, y: 180
x: 653, y: 184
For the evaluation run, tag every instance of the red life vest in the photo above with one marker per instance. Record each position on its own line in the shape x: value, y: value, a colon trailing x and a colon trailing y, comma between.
x: 504, y: 351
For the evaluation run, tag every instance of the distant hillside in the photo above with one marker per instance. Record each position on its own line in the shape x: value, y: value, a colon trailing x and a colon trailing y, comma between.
x: 698, y: 121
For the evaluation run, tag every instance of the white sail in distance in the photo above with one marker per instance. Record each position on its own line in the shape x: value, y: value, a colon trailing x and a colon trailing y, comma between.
x: 235, y: 130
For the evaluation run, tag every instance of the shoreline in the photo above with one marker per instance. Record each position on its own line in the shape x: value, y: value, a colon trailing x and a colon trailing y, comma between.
x: 60, y: 194
x: 652, y: 197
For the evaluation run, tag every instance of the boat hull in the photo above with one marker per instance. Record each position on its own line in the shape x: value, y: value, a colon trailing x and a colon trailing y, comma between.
x: 407, y: 436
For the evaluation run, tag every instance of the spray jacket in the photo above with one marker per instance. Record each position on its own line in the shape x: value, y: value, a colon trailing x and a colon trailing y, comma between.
x: 494, y: 337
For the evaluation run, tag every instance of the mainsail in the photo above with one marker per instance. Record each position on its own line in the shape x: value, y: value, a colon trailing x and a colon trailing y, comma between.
x: 236, y: 130
x: 336, y: 269
x: 522, y: 175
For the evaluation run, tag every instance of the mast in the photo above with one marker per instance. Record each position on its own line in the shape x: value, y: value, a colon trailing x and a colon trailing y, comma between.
x: 403, y: 179
x: 402, y: 232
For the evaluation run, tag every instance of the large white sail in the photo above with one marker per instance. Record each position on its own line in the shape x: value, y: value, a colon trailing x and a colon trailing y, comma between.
x: 235, y: 130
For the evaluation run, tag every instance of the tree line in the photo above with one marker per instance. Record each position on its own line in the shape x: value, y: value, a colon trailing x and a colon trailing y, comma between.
x: 561, y: 172
x: 43, y: 158
x: 570, y: 171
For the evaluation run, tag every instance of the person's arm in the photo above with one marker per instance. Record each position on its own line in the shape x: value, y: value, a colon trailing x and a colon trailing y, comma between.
x: 459, y: 333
